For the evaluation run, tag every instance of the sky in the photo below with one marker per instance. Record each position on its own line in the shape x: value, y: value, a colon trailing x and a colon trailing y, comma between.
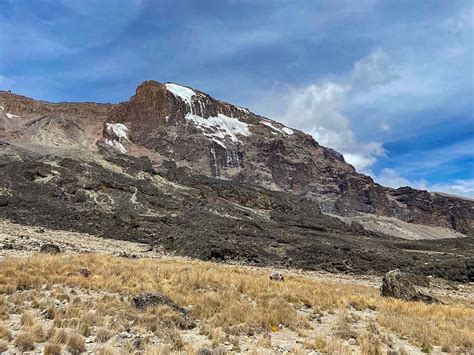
x: 390, y: 84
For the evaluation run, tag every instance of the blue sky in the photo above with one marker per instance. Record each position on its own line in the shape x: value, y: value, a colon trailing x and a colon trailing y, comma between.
x: 387, y: 83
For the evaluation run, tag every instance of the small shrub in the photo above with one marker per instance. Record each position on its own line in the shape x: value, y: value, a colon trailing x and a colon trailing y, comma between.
x: 103, y: 335
x: 25, y: 341
x: 38, y: 333
x: 27, y: 319
x: 5, y: 333
x: 3, y: 346
x: 52, y: 349
x: 75, y: 343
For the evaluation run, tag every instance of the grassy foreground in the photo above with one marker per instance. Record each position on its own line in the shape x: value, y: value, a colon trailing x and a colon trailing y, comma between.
x: 47, y: 303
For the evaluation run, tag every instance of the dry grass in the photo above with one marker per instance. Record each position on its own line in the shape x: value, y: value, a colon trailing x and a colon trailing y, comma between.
x: 52, y: 349
x: 228, y: 301
x: 103, y: 335
x: 5, y: 333
x: 369, y: 344
x: 75, y: 343
x: 27, y: 319
x: 25, y: 341
x: 3, y: 346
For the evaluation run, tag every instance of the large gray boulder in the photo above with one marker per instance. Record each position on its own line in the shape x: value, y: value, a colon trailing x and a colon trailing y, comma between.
x: 399, y: 285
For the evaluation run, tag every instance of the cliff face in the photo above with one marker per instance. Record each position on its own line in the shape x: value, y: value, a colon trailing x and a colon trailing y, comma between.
x: 220, y: 140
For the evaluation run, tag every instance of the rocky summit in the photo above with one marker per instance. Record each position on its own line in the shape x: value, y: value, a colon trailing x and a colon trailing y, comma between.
x: 177, y: 169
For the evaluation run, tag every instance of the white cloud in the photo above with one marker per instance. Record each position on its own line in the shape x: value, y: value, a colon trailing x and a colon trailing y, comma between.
x: 318, y: 109
x: 385, y: 127
x: 460, y: 187
x: 392, y: 178
x: 373, y: 70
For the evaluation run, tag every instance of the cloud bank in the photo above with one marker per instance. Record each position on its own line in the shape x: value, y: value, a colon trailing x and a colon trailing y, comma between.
x: 319, y: 109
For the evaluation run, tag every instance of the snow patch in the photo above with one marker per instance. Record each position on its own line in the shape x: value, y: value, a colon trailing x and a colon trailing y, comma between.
x: 118, y: 132
x: 10, y: 115
x: 288, y: 131
x: 2, y: 108
x: 118, y: 129
x: 182, y: 92
x: 219, y: 127
x: 116, y: 145
x: 284, y: 130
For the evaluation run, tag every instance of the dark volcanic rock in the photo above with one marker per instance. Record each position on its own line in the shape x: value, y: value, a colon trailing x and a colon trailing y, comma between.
x: 146, y: 300
x: 203, y: 178
x: 276, y: 276
x: 50, y: 248
x: 399, y: 285
x: 210, y: 219
x: 199, y: 132
x: 272, y: 155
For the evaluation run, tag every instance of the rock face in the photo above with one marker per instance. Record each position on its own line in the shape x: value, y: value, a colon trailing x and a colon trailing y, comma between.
x: 225, y: 141
x: 123, y: 197
x: 399, y: 285
x: 217, y: 139
x: 177, y: 169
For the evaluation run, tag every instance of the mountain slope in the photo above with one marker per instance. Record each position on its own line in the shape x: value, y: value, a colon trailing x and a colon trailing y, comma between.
x: 217, y: 139
x: 225, y: 141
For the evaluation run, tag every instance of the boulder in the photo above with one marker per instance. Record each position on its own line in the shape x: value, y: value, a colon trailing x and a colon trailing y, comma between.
x: 50, y: 248
x: 276, y: 276
x: 84, y: 272
x: 148, y: 299
x: 204, y: 351
x: 399, y: 285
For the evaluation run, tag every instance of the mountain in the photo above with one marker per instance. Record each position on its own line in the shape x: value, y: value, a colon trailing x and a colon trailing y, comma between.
x: 180, y: 170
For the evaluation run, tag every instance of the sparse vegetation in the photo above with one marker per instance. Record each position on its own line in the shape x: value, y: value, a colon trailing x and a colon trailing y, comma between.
x: 52, y: 349
x: 25, y: 341
x: 5, y: 333
x: 229, y: 302
x: 103, y: 335
x: 3, y: 346
x: 75, y: 343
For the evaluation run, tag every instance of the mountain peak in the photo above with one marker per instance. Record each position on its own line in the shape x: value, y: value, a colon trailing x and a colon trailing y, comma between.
x: 220, y: 140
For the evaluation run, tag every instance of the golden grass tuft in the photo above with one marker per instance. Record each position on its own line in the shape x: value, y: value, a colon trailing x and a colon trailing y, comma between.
x: 52, y: 349
x: 25, y: 341
x: 5, y: 333
x: 38, y: 333
x: 3, y: 346
x: 369, y: 344
x: 27, y: 319
x: 106, y: 351
x: 75, y: 343
x: 58, y: 336
x: 103, y: 335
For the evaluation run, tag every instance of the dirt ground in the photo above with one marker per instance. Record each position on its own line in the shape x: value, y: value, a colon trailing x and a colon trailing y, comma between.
x: 351, y: 329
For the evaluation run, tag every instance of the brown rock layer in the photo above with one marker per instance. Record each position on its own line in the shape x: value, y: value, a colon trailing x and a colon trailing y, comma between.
x: 221, y: 140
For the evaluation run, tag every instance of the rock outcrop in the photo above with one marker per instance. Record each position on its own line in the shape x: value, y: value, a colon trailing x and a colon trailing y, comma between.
x: 174, y: 210
x: 217, y: 139
x: 399, y: 285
